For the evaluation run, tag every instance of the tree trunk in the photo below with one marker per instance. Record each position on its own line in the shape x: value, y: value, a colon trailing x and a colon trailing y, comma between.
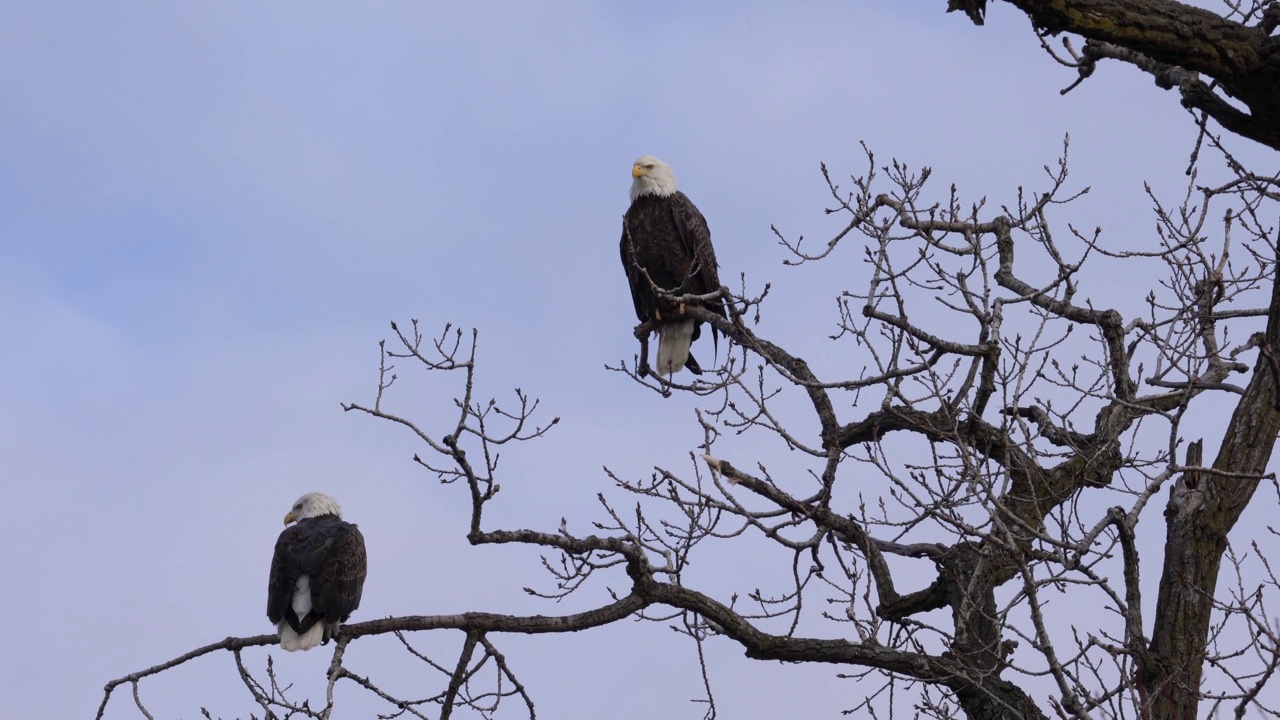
x: 1202, y: 509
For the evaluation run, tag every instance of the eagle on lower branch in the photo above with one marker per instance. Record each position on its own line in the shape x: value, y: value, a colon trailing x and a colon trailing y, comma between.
x: 317, y: 573
x: 666, y: 243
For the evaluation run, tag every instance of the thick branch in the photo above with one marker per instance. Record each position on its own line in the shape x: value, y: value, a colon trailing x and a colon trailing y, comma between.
x: 1000, y: 699
x: 1166, y: 39
x: 1169, y: 32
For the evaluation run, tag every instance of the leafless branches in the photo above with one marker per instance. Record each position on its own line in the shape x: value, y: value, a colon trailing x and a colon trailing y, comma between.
x: 1020, y: 452
x: 949, y: 497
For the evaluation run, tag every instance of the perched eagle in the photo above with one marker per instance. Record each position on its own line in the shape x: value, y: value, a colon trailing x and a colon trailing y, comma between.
x: 317, y: 573
x: 665, y: 242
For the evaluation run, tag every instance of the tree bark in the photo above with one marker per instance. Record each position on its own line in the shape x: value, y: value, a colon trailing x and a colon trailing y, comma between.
x: 1202, y: 509
x: 1167, y: 35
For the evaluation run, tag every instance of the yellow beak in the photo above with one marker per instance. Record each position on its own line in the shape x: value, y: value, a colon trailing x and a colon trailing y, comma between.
x: 289, y: 518
x: 637, y: 171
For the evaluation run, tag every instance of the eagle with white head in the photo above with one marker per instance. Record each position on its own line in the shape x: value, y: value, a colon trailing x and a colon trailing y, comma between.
x: 317, y: 573
x: 666, y: 243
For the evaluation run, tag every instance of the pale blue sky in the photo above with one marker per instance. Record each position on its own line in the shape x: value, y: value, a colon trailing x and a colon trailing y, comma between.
x: 209, y: 212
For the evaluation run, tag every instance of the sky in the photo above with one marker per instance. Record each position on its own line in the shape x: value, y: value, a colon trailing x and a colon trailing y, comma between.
x: 210, y: 213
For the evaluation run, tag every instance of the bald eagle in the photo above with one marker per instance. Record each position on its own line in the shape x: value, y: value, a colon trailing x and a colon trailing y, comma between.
x: 665, y: 237
x: 317, y: 573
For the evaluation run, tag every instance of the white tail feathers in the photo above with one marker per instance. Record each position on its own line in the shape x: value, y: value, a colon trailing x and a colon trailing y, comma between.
x: 673, y: 346
x: 301, y: 603
x: 291, y: 641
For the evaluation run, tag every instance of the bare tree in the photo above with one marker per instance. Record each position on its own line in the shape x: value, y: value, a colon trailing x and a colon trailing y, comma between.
x: 990, y: 425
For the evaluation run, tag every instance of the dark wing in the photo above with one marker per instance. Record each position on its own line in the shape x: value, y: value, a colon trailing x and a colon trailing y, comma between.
x: 342, y: 576
x: 696, y: 236
x: 651, y: 253
x: 331, y: 553
x: 284, y: 572
x: 639, y: 289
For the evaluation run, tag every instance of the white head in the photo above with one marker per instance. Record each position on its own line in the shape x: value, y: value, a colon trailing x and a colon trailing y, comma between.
x: 313, y: 504
x: 651, y: 176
